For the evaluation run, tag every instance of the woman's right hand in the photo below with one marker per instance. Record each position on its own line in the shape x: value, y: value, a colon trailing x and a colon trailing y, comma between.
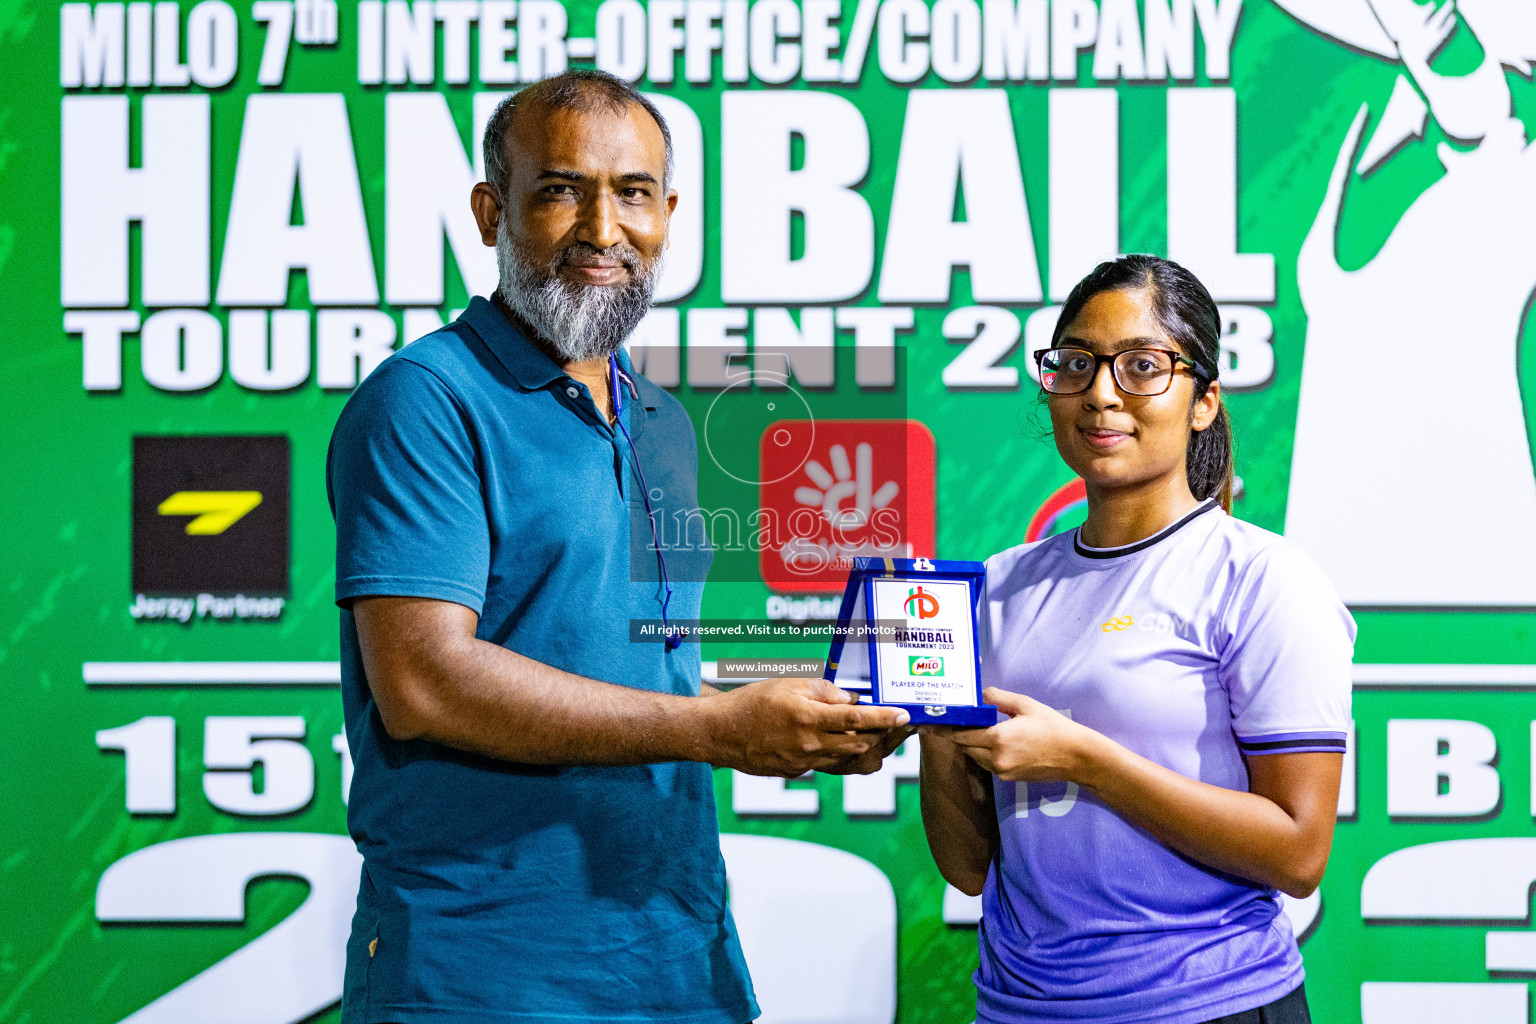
x: 1036, y: 744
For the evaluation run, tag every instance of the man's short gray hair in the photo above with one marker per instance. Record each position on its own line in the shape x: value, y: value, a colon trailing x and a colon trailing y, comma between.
x: 579, y: 90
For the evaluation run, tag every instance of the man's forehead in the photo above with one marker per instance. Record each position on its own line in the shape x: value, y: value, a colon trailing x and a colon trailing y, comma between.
x: 600, y: 138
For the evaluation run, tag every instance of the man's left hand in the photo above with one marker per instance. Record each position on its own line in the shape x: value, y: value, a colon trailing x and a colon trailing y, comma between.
x: 869, y: 762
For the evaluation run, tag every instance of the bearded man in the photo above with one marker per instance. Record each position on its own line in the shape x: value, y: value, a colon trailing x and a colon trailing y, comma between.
x: 531, y: 792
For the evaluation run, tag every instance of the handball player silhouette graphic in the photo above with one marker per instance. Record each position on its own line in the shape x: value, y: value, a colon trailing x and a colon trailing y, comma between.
x: 1442, y: 303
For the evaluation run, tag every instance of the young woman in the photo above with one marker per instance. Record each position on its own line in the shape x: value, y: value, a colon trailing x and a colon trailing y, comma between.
x: 1177, y: 687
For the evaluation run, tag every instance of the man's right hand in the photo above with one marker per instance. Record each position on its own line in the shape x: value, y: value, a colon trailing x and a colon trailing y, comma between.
x: 433, y: 679
x: 788, y: 727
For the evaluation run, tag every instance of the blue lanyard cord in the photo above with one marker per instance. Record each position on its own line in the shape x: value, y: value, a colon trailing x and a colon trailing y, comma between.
x: 673, y: 638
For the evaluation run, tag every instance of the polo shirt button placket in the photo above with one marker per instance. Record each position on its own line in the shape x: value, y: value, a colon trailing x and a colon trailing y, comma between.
x: 572, y: 392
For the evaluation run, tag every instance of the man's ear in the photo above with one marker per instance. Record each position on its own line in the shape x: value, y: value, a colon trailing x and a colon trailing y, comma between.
x: 1206, y: 407
x: 486, y: 204
x: 671, y: 209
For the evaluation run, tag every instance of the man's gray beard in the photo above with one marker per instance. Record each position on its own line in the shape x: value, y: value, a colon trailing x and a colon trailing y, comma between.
x: 578, y: 321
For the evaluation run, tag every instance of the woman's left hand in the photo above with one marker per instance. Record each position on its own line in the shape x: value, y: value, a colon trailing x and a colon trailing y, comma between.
x: 1035, y: 744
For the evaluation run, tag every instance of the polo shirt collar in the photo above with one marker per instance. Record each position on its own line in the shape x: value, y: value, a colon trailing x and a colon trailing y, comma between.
x: 524, y: 360
x: 528, y: 364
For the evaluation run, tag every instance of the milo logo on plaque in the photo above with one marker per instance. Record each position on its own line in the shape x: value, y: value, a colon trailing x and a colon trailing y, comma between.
x: 925, y: 665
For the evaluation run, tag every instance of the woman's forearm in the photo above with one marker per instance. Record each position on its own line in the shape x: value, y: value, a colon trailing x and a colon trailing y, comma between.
x: 958, y: 814
x: 1278, y: 834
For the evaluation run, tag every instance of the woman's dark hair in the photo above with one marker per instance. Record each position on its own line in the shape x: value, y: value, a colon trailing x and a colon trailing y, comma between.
x: 1189, y: 316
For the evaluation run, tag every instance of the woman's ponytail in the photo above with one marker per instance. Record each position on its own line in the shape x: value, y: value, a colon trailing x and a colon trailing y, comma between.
x: 1208, y: 460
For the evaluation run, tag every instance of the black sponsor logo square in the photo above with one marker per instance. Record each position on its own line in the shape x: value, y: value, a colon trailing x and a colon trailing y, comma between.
x: 211, y: 515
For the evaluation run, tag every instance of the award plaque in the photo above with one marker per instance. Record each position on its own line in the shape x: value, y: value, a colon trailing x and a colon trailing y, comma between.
x: 906, y: 634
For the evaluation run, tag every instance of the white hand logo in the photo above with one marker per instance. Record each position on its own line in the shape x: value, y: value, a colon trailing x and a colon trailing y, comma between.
x: 830, y: 490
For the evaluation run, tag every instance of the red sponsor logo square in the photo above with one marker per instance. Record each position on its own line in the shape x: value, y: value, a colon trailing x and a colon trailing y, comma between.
x: 833, y: 490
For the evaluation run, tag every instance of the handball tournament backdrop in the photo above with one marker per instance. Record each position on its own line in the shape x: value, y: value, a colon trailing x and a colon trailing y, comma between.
x: 218, y: 217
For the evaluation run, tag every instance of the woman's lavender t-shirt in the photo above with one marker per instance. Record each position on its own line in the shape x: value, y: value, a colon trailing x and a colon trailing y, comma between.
x: 1210, y: 640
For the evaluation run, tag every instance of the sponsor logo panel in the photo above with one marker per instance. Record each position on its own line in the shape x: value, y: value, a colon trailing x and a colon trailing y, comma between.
x: 834, y: 490
x: 211, y: 527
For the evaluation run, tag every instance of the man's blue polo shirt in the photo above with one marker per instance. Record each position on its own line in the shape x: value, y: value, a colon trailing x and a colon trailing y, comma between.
x: 470, y: 468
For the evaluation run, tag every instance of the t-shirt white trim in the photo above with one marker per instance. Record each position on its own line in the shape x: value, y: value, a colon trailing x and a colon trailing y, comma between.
x: 1141, y: 545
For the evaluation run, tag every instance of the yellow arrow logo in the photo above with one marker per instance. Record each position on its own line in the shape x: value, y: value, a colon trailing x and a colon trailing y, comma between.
x: 215, y: 511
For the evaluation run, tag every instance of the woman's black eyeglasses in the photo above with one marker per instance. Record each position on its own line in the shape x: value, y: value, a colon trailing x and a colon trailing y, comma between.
x: 1136, y: 371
